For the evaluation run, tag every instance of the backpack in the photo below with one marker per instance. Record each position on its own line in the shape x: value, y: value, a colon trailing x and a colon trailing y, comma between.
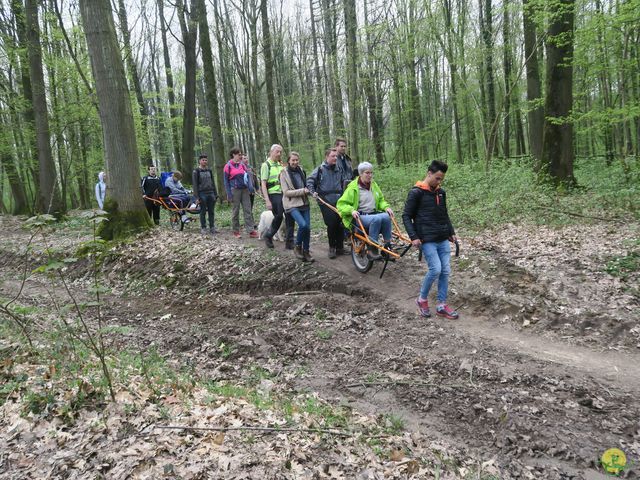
x: 164, y: 176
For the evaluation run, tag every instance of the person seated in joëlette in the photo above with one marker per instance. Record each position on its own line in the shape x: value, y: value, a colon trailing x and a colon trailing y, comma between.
x: 179, y: 195
x: 363, y: 199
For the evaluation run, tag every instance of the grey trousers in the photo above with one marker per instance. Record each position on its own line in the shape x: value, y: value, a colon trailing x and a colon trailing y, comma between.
x: 240, y: 196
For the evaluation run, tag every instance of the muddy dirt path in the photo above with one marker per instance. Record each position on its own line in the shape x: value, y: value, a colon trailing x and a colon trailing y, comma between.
x: 401, y: 282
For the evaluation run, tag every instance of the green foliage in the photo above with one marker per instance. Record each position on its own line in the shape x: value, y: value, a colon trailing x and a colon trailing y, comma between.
x: 11, y: 384
x: 394, y: 424
x: 37, y: 403
x: 624, y: 266
x: 511, y: 192
x: 324, y: 334
x: 332, y: 417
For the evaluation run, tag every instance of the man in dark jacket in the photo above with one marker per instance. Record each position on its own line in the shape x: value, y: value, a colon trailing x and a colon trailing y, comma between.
x: 150, y: 185
x: 327, y: 182
x: 427, y: 223
x: 344, y: 162
x: 204, y: 189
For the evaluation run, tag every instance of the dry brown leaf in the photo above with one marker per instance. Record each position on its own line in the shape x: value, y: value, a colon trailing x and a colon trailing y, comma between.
x: 218, y: 439
x: 397, y: 455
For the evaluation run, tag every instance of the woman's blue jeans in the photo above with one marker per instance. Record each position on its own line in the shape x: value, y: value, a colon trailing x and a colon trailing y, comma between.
x: 376, y: 223
x: 303, y: 219
x: 438, y: 258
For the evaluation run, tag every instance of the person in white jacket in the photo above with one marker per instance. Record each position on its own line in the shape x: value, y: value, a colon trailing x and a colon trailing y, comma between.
x: 101, y: 189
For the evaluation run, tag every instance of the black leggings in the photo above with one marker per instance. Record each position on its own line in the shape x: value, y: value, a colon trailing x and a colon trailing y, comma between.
x: 154, y: 210
x: 335, y: 229
x: 278, y: 213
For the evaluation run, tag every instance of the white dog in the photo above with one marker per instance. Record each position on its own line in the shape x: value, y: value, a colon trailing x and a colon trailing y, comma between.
x: 266, y: 218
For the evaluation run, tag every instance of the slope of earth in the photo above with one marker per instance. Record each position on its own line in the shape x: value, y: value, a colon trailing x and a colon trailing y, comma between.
x: 226, y: 309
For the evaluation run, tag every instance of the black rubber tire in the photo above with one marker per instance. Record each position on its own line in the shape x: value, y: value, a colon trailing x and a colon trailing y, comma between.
x: 362, y: 263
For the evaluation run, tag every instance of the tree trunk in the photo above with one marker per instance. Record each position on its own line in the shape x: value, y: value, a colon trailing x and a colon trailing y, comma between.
x: 371, y: 92
x: 48, y: 198
x: 189, y: 28
x: 331, y: 67
x: 173, y: 111
x: 506, y: 65
x: 487, y: 37
x: 226, y: 72
x: 535, y: 113
x: 19, y: 196
x: 557, y: 151
x: 211, y: 94
x: 351, y: 26
x: 145, y: 150
x: 451, y: 59
x: 318, y: 91
x: 268, y: 73
x: 126, y: 210
x: 27, y: 91
x: 253, y: 87
x: 605, y: 89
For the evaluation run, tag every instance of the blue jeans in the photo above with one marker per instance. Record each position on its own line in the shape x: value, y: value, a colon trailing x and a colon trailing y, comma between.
x: 374, y: 223
x: 303, y: 219
x: 438, y: 258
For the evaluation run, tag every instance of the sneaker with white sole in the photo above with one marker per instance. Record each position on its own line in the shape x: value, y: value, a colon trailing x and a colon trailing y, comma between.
x: 423, y: 307
x: 446, y: 311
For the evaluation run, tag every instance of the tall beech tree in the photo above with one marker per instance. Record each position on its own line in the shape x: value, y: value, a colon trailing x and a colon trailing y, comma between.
x: 188, y: 18
x: 268, y: 72
x: 211, y: 94
x: 557, y: 144
x: 145, y: 148
x: 535, y: 110
x: 350, y: 27
x: 124, y: 203
x: 173, y: 109
x: 49, y: 200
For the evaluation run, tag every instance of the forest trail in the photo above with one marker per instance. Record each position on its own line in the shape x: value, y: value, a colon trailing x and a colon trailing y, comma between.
x: 401, y: 282
x: 532, y: 387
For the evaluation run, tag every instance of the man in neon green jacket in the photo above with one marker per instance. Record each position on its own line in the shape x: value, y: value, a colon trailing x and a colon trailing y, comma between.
x: 363, y: 199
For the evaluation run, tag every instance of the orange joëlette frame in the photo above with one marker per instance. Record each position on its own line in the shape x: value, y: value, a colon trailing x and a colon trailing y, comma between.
x: 365, y: 238
x: 161, y: 201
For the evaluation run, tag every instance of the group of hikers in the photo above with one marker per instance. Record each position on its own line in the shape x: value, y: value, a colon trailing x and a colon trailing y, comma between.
x: 346, y: 197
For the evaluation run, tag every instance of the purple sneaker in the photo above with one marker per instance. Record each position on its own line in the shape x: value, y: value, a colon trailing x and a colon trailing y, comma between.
x: 423, y: 307
x: 447, y: 312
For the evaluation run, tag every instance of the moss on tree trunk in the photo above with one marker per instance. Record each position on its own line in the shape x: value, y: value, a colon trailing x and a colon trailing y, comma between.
x: 122, y: 225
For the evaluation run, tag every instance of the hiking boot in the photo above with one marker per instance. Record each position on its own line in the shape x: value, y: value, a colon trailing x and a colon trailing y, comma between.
x: 373, y: 253
x: 213, y: 230
x: 308, y: 257
x: 268, y: 241
x: 185, y: 218
x: 297, y: 251
x: 237, y: 234
x: 253, y: 234
x: 289, y: 245
x: 204, y: 231
x: 340, y: 251
x: 423, y: 307
x: 332, y: 252
x: 446, y: 311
